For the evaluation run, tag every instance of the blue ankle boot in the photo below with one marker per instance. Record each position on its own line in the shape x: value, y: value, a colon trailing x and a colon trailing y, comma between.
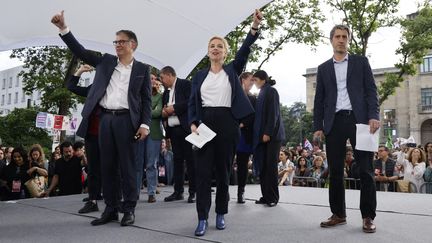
x: 220, y: 222
x: 201, y: 227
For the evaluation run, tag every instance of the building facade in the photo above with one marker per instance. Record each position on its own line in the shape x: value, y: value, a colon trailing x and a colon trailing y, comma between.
x: 408, y: 112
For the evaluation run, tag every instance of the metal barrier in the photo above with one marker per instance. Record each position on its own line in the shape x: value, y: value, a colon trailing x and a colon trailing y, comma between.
x: 306, y: 181
x: 426, y: 188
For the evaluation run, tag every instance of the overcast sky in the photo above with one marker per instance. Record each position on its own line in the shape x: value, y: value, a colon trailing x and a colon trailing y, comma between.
x: 289, y: 64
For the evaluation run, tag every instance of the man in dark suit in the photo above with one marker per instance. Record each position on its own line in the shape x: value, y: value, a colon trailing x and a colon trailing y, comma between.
x: 121, y: 89
x: 346, y: 94
x: 175, y: 102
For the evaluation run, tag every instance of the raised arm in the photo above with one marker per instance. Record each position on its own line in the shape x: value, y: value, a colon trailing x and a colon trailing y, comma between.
x: 72, y: 84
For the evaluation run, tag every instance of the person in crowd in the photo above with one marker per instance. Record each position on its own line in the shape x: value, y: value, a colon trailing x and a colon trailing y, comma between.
x: 218, y: 101
x: 153, y: 142
x: 67, y: 175
x: 286, y: 169
x: 8, y: 155
x: 121, y: 89
x: 301, y: 171
x: 318, y: 171
x: 79, y: 152
x: 384, y: 170
x: 244, y: 148
x: 15, y: 175
x: 414, y: 166
x: 175, y: 112
x: 51, y: 168
x: 268, y: 135
x: 346, y: 95
x: 166, y: 159
x: 308, y: 156
x: 94, y: 179
x: 428, y: 178
x: 349, y: 161
x: 428, y: 151
x: 37, y: 162
x: 2, y: 160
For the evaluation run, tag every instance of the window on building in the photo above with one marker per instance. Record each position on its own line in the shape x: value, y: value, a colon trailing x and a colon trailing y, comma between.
x: 426, y: 99
x: 3, y: 100
x: 4, y: 84
x: 16, y: 98
x: 9, y: 99
x: 23, y: 97
x: 426, y: 66
x: 389, y: 114
x: 17, y: 83
x: 10, y: 82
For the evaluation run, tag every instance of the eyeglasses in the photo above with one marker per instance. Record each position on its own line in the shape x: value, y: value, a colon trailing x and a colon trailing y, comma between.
x: 381, y: 150
x: 121, y: 42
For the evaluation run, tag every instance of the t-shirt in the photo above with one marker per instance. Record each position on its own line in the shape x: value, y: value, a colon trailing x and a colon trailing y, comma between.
x: 282, y: 166
x: 69, y: 175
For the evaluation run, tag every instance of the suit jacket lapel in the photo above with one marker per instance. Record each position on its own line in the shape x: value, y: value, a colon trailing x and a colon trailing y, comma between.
x: 332, y: 73
x: 134, y: 73
x: 350, y: 68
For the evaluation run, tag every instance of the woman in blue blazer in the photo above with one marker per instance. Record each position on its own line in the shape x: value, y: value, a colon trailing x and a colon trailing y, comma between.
x: 217, y: 100
x: 268, y: 134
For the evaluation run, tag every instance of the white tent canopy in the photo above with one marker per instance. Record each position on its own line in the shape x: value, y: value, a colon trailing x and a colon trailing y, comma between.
x: 170, y: 32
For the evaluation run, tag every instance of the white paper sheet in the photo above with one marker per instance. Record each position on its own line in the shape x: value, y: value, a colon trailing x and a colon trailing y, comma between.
x: 205, y: 135
x: 366, y: 141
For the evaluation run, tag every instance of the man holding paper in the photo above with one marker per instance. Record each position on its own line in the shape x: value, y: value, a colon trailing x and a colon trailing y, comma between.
x: 346, y: 95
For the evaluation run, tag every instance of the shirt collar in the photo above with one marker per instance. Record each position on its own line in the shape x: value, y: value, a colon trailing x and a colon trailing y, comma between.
x: 343, y: 60
x: 126, y: 66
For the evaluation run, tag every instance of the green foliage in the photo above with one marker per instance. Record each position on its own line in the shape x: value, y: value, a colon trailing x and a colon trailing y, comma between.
x: 297, y: 122
x: 44, y: 70
x: 364, y: 17
x: 18, y: 129
x: 284, y: 21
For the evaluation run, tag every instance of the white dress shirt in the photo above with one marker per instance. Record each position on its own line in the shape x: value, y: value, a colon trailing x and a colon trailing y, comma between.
x: 172, y: 120
x: 343, y: 101
x: 216, y: 90
x: 116, y: 95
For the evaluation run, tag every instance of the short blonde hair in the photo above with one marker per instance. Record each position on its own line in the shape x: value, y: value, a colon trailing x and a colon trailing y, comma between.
x: 224, y: 41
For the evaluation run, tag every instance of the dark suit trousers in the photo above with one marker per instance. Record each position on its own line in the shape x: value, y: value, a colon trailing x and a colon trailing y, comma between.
x: 218, y: 154
x: 344, y: 127
x: 242, y: 160
x: 94, y: 166
x: 269, y: 171
x: 117, y: 146
x: 182, y: 150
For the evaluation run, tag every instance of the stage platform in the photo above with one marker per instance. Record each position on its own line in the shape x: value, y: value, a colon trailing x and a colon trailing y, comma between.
x: 400, y: 218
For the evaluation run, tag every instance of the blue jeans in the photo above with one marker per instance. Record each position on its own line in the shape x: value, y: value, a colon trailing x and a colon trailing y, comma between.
x: 152, y: 158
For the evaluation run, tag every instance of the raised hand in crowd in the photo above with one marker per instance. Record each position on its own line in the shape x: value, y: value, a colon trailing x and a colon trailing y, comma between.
x: 59, y: 21
x: 82, y: 69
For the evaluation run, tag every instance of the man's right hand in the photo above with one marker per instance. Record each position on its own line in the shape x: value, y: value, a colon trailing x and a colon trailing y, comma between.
x: 194, y: 128
x: 58, y: 20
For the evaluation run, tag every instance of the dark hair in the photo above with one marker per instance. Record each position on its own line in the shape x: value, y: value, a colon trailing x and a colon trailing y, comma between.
x: 168, y: 70
x: 78, y: 145
x: 130, y: 34
x: 244, y: 75
x: 65, y: 144
x: 23, y: 154
x: 340, y: 27
x: 287, y: 154
x: 385, y: 147
x: 261, y: 74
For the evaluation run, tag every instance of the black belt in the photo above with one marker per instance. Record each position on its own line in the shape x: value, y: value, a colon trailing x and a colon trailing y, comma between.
x: 115, y: 112
x: 344, y: 112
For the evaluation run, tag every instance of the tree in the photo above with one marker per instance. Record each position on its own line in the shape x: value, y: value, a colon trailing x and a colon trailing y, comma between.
x: 18, y: 129
x: 284, y: 21
x: 364, y: 17
x: 415, y: 43
x: 45, y: 69
x: 297, y: 122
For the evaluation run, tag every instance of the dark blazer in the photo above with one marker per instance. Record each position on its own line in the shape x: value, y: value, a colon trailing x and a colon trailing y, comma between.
x: 240, y: 105
x: 72, y: 85
x: 139, y: 94
x: 361, y: 88
x: 271, y: 120
x: 182, y: 91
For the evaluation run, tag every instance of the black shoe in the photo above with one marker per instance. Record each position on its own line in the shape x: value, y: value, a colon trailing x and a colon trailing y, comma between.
x: 151, y: 199
x: 191, y: 198
x: 128, y: 219
x: 260, y: 201
x: 89, y: 207
x: 201, y: 227
x: 105, y: 218
x: 174, y: 197
x: 86, y: 199
x: 240, y: 198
